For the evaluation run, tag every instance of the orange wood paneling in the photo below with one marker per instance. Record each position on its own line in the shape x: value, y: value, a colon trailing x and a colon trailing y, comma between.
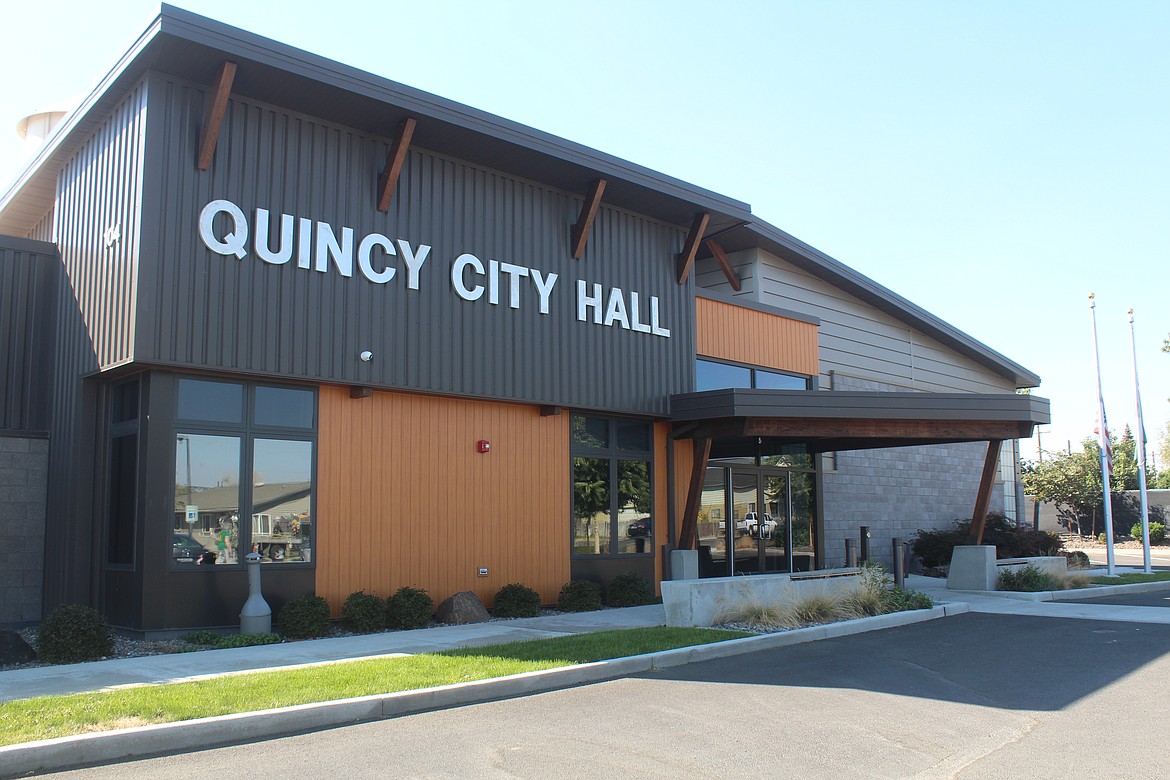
x: 403, y: 498
x: 729, y: 332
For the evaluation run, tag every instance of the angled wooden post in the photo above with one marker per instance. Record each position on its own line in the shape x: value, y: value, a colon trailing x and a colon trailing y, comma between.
x: 691, y: 246
x: 983, y: 499
x: 395, y: 158
x: 585, y: 219
x: 724, y: 264
x: 688, y: 534
x: 215, y: 114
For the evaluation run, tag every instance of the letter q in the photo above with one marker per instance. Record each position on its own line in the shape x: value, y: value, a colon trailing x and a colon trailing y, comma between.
x: 236, y: 239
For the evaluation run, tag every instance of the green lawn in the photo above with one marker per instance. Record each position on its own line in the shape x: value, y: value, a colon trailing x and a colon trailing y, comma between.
x: 1132, y: 578
x: 47, y: 717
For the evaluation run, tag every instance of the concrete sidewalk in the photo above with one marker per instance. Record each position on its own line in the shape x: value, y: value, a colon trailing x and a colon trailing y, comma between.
x: 144, y: 670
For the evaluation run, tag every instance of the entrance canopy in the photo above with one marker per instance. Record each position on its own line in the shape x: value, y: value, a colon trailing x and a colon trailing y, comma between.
x: 741, y: 422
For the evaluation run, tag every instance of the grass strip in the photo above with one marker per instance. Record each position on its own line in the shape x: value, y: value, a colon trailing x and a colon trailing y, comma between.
x: 1132, y: 578
x: 47, y: 717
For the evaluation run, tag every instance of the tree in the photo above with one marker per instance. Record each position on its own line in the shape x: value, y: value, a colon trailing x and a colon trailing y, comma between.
x: 1072, y: 482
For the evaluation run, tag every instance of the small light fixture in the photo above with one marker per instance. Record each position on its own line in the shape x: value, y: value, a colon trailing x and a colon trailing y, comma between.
x: 483, y: 445
x: 366, y: 356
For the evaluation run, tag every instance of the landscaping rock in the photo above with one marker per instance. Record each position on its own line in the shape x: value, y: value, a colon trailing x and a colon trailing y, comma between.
x: 14, y: 650
x: 464, y: 607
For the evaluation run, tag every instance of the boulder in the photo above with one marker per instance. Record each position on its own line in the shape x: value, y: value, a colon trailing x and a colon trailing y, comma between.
x: 463, y: 607
x: 14, y: 650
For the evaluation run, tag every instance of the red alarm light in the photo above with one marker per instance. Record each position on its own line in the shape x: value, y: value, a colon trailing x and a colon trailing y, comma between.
x: 483, y: 445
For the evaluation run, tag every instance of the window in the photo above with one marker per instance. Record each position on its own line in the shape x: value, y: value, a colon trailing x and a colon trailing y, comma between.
x: 712, y: 375
x: 243, y: 473
x: 612, y: 495
x: 122, y: 475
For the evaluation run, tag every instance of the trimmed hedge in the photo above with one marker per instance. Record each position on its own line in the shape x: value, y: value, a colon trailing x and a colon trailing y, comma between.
x: 515, y: 600
x: 579, y: 596
x: 363, y: 613
x: 305, y: 617
x: 409, y: 608
x: 628, y: 590
x: 74, y: 633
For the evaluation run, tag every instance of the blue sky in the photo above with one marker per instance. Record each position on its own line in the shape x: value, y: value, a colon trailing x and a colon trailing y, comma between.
x: 994, y: 162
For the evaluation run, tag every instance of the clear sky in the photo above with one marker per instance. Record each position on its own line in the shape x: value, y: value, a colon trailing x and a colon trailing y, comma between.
x: 994, y: 162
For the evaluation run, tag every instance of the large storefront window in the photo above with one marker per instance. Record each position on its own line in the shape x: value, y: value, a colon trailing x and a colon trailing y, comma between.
x: 243, y: 473
x: 612, y: 507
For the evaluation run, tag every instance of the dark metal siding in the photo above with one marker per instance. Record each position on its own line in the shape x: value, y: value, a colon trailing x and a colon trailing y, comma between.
x: 98, y: 189
x: 203, y: 310
x: 28, y: 278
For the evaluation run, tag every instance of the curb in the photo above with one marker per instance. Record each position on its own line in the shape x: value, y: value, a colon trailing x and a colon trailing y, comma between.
x: 1076, y: 594
x: 141, y: 741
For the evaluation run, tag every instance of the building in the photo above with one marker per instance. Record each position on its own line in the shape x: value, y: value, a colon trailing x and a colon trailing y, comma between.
x: 255, y: 300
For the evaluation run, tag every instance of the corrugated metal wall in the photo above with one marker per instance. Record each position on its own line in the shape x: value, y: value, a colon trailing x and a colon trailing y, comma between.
x: 202, y: 309
x: 95, y: 227
x: 28, y: 278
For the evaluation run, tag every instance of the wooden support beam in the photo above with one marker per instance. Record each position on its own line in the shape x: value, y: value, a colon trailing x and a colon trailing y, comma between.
x: 210, y: 134
x: 691, y: 246
x: 585, y: 220
x: 983, y: 499
x: 688, y: 534
x: 724, y: 264
x: 394, y: 161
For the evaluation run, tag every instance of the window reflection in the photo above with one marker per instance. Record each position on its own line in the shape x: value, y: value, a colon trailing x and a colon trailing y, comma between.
x: 634, y: 521
x: 207, y: 499
x: 282, y: 497
x: 591, y: 505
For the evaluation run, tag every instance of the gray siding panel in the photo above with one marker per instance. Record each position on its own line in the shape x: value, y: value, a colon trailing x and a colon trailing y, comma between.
x: 208, y: 311
x: 28, y: 281
x: 98, y: 189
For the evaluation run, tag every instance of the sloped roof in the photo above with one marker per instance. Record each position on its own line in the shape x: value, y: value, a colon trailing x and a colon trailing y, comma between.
x: 193, y: 47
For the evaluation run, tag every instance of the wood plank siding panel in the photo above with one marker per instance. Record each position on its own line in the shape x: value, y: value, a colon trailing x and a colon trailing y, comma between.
x: 404, y: 498
x: 730, y: 332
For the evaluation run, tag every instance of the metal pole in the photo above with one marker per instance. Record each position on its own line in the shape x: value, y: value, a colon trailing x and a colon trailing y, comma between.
x: 865, y: 544
x: 1103, y: 438
x: 851, y: 553
x: 899, y: 563
x: 1141, y: 453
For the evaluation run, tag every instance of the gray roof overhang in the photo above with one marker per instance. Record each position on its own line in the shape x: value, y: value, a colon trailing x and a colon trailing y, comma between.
x: 744, y: 421
x: 193, y: 47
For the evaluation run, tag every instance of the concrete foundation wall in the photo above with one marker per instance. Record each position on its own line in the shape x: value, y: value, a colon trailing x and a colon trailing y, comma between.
x: 24, y: 464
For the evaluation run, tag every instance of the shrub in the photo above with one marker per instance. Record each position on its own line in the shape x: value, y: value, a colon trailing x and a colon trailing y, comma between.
x: 579, y: 596
x: 363, y: 612
x: 812, y: 610
x: 515, y: 600
x: 209, y: 638
x: 867, y: 600
x: 305, y: 617
x: 1157, y: 532
x: 934, y: 547
x: 74, y: 633
x: 902, y: 600
x: 628, y: 590
x: 409, y: 608
x: 1077, y: 559
x: 1027, y: 579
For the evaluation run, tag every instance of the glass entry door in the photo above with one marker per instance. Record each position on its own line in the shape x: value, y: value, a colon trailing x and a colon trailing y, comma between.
x: 760, y: 511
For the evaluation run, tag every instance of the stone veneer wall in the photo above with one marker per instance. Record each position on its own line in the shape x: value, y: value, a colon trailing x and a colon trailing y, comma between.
x: 897, y: 491
x: 24, y: 472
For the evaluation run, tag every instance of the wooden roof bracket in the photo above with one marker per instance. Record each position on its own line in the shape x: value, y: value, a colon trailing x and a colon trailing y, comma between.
x: 395, y: 158
x: 585, y: 220
x: 215, y: 114
x: 724, y: 264
x: 687, y: 258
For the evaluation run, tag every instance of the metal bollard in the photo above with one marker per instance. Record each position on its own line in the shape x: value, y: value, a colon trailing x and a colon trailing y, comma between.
x: 256, y: 616
x: 851, y: 553
x: 899, y: 563
x: 865, y: 544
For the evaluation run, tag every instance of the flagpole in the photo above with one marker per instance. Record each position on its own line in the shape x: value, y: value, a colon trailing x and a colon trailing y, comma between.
x: 1103, y: 443
x: 1141, y: 452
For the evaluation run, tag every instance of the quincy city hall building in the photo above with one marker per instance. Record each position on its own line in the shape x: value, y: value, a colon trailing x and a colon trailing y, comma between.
x: 255, y: 300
